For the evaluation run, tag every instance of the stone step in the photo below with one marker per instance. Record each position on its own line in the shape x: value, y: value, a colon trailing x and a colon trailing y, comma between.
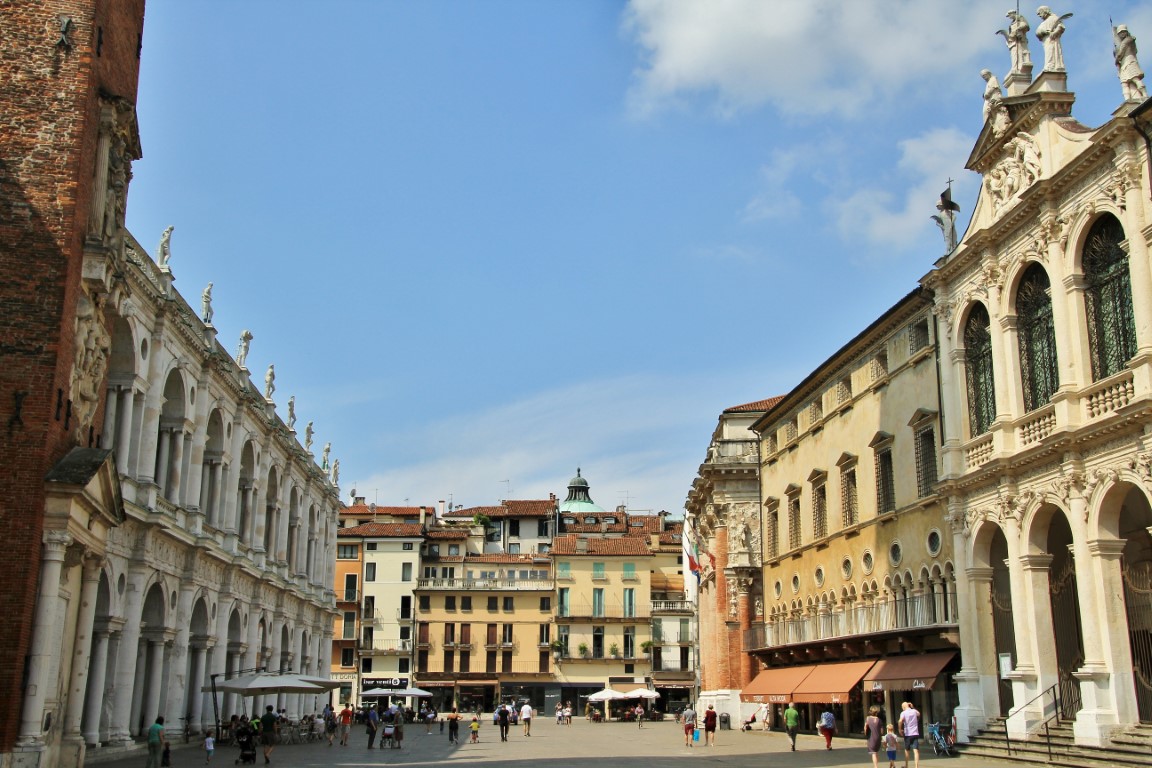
x: 1131, y: 752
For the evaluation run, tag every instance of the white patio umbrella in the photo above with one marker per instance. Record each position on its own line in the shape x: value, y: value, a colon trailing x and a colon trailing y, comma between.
x: 641, y: 693
x: 606, y: 695
x: 268, y: 682
x: 326, y: 683
x: 376, y: 692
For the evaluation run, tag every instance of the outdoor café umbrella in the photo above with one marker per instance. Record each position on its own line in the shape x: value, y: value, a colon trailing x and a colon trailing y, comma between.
x: 606, y: 695
x: 262, y: 683
x: 375, y: 692
x: 641, y: 693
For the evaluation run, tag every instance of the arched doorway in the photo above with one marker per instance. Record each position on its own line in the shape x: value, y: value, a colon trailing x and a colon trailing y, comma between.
x: 1066, y: 628
x: 1003, y: 633
x: 1136, y: 570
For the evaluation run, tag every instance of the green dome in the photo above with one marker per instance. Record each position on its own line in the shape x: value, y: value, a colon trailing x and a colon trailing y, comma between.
x: 578, y: 498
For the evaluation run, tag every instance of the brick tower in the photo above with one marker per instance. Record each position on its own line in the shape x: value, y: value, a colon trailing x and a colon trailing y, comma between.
x: 68, y: 135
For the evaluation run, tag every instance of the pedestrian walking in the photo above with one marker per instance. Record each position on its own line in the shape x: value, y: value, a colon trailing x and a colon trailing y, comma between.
x: 156, y: 742
x: 873, y: 729
x: 345, y: 723
x: 568, y: 714
x: 526, y: 718
x: 710, y: 726
x: 891, y: 743
x: 688, y: 719
x: 209, y: 747
x: 453, y: 719
x: 792, y: 723
x: 269, y: 724
x: 827, y: 726
x: 475, y: 727
x: 910, y: 730
x: 639, y: 712
x: 503, y: 719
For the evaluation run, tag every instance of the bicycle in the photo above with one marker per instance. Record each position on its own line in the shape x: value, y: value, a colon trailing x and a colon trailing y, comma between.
x: 941, y: 737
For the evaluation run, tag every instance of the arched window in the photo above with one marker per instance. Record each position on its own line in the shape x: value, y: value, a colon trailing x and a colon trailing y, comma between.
x: 1108, y: 298
x: 981, y: 383
x: 1037, y: 335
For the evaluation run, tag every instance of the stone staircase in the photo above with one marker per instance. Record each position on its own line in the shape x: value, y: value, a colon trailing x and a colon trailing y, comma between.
x: 1130, y: 747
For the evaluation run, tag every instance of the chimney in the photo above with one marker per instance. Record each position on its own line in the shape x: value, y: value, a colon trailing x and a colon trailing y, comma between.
x: 441, y: 513
x: 654, y: 541
x: 423, y: 515
x: 582, y: 545
x: 358, y: 501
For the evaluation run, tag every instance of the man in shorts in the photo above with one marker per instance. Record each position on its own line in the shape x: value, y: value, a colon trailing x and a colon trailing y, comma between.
x: 910, y: 730
x: 688, y: 719
x: 345, y: 724
x: 269, y: 724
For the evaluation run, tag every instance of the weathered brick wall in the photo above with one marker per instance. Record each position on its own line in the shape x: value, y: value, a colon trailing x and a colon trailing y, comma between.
x: 49, y: 125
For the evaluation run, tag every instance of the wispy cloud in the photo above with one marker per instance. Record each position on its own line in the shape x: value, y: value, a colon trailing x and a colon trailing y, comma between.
x: 630, y: 436
x: 874, y: 216
x: 804, y: 57
x: 776, y: 200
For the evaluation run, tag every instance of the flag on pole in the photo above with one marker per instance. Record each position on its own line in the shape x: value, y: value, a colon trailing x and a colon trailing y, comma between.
x: 691, y: 554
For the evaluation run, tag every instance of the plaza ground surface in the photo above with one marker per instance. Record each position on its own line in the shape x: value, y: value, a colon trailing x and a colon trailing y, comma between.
x: 657, y: 745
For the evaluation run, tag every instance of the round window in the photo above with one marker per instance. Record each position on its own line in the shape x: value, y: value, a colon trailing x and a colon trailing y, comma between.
x: 144, y: 349
x: 934, y: 542
x: 779, y: 588
x: 846, y: 567
x: 820, y: 576
x: 795, y: 583
x: 866, y: 561
x: 895, y: 553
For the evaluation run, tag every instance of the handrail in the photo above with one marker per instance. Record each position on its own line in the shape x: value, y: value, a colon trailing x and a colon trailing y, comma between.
x: 1058, y: 714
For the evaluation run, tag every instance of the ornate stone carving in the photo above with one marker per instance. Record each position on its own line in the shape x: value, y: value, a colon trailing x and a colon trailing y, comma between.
x: 943, y: 310
x: 92, y: 347
x: 1015, y: 172
x: 995, y: 113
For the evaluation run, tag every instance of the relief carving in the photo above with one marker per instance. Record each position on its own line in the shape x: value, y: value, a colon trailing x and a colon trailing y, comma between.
x: 92, y: 347
x: 1016, y: 171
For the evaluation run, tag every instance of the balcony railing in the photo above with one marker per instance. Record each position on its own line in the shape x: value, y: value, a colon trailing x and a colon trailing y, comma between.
x: 347, y: 595
x: 589, y: 611
x: 671, y: 606
x: 380, y: 645
x: 916, y: 612
x: 457, y: 585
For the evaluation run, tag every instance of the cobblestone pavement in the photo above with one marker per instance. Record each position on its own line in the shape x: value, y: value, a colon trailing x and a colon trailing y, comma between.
x: 657, y: 745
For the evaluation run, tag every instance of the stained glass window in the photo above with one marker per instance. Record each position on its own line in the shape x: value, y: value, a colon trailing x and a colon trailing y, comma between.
x: 981, y: 382
x: 1108, y: 299
x: 1037, y: 336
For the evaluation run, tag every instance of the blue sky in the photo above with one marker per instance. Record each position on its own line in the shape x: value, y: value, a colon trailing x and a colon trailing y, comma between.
x: 485, y: 243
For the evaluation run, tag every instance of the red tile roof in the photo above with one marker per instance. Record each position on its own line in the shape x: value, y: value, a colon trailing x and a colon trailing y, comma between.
x: 508, y: 508
x: 631, y: 546
x: 503, y: 557
x: 362, y: 510
x: 454, y: 534
x: 759, y: 405
x: 382, y: 530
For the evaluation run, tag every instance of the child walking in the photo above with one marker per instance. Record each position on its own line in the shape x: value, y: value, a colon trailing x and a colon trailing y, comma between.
x: 475, y: 726
x: 209, y: 746
x: 890, y: 744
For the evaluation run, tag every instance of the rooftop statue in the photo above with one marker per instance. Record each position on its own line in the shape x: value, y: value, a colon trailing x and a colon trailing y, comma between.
x: 1131, y: 76
x: 995, y: 112
x: 242, y: 351
x: 1016, y: 37
x: 164, y: 250
x: 292, y: 412
x: 206, y: 305
x: 308, y: 437
x: 1049, y: 32
x: 270, y: 382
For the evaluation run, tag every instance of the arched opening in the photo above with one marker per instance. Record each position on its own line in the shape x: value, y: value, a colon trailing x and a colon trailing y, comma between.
x: 1065, y: 605
x: 213, y: 472
x: 1108, y: 298
x: 1036, y: 336
x: 981, y: 381
x: 171, y: 439
x: 247, y: 493
x: 154, y: 636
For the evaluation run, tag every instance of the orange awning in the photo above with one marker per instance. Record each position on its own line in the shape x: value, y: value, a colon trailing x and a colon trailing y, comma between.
x: 830, y: 683
x: 907, y: 673
x: 775, y: 685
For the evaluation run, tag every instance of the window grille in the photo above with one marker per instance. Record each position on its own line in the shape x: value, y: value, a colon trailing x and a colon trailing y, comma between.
x: 849, y: 501
x: 790, y: 430
x: 774, y: 531
x: 819, y: 512
x: 925, y: 461
x: 885, y: 482
x: 1036, y: 334
x: 880, y: 365
x: 981, y: 380
x: 794, y: 522
x: 1108, y: 299
x: 817, y: 411
x: 917, y: 336
x: 771, y: 444
x: 844, y: 390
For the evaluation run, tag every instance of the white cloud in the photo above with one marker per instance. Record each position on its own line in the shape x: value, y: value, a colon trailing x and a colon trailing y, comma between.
x: 879, y: 218
x: 638, y: 429
x: 776, y: 200
x: 805, y: 57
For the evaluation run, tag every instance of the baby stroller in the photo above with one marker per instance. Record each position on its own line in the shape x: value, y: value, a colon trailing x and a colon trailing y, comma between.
x: 747, y: 724
x: 247, y: 743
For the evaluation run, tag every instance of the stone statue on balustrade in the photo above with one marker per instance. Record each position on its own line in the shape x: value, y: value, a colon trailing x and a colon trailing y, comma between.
x: 270, y: 382
x: 308, y: 437
x: 1127, y: 65
x: 242, y: 351
x: 164, y: 250
x: 206, y: 305
x: 1016, y: 38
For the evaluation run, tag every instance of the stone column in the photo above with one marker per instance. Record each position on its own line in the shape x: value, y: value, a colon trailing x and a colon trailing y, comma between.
x: 108, y: 431
x: 196, y: 681
x: 163, y: 446
x: 150, y: 420
x: 45, y: 627
x: 1007, y: 389
x: 978, y: 679
x: 1107, y: 678
x: 156, y: 643
x: 137, y: 723
x: 94, y: 701
x: 1033, y: 624
x: 175, y: 476
x: 1128, y: 172
x: 82, y: 646
x: 127, y: 652
x: 744, y: 582
x: 180, y: 682
x: 127, y: 399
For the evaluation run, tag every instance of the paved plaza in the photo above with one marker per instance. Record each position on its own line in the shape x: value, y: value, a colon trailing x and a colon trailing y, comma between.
x: 657, y: 745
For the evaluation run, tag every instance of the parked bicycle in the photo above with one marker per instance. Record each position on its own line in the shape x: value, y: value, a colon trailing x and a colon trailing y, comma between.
x: 940, y: 735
